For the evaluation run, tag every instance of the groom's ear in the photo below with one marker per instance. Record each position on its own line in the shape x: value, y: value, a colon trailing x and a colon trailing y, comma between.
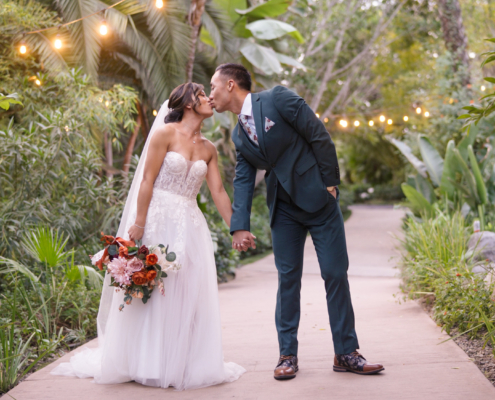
x: 230, y: 85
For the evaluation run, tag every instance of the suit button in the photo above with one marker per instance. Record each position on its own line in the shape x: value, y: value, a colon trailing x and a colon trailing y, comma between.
x: 273, y: 165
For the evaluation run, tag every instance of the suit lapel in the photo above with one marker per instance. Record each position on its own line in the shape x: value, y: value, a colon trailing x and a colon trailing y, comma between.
x: 258, y: 120
x: 240, y: 134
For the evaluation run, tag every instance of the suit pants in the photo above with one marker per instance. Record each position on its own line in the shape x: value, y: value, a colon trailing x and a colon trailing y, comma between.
x: 290, y: 227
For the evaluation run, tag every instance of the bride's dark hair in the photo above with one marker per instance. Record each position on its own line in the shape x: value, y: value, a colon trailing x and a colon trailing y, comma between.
x: 182, y: 96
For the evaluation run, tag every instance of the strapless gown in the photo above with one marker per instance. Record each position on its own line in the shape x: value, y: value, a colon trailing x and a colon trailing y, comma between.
x: 173, y: 340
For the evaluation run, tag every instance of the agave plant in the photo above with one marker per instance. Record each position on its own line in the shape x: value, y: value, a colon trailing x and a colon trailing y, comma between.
x: 457, y: 177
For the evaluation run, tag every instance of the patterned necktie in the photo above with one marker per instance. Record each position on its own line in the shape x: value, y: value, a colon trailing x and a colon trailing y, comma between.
x: 253, y: 136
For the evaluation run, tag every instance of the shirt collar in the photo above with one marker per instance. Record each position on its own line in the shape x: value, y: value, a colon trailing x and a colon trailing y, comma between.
x: 247, y: 107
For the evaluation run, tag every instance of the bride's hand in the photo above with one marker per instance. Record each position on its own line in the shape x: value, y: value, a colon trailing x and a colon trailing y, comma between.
x: 135, y: 233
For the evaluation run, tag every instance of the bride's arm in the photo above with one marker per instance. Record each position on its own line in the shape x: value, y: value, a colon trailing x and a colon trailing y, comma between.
x: 157, y: 151
x: 215, y: 184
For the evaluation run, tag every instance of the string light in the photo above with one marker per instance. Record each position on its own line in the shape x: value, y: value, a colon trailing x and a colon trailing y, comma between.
x: 483, y: 88
x: 406, y: 118
x: 103, y: 28
x: 23, y: 48
x: 58, y: 42
x: 107, y: 103
x: 159, y: 3
x: 343, y: 123
x: 356, y: 123
x: 38, y: 82
x: 427, y: 114
x: 389, y: 121
x: 326, y: 120
x: 418, y: 110
x: 155, y: 113
x: 382, y: 118
x: 371, y: 123
x: 317, y: 115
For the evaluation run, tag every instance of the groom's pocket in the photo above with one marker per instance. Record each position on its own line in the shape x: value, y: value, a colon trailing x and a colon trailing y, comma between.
x: 304, y: 166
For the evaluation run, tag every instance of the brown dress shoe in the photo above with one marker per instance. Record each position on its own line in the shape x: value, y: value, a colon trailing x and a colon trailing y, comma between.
x: 286, y: 368
x: 356, y: 363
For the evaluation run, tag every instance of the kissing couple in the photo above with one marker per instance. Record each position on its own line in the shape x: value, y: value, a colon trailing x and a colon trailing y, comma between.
x: 175, y: 340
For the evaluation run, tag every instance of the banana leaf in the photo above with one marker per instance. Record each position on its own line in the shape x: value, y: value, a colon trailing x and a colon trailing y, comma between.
x: 432, y: 159
x: 467, y: 140
x: 480, y: 184
x: 425, y: 188
x: 408, y: 153
x: 449, y: 172
x: 419, y: 204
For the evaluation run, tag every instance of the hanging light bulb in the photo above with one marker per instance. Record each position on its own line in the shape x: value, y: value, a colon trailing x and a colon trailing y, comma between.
x: 389, y: 121
x: 483, y: 88
x: 356, y: 123
x: 326, y: 120
x: 382, y: 118
x: 418, y: 110
x: 107, y: 103
x: 38, y: 82
x: 317, y: 115
x: 23, y: 48
x: 427, y: 114
x: 103, y: 28
x: 371, y: 123
x: 58, y: 42
x: 159, y: 3
x: 406, y: 118
x: 343, y: 123
x: 155, y: 113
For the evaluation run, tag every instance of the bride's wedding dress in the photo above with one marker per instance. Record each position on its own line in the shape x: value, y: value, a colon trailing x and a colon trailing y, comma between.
x: 173, y: 340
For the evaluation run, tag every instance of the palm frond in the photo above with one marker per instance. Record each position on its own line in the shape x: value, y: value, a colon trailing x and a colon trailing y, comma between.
x: 8, y: 265
x: 219, y: 26
x: 172, y: 36
x: 85, y: 38
x: 46, y: 246
x: 95, y: 280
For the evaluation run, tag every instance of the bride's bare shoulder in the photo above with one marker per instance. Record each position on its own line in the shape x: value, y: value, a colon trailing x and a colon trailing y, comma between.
x: 163, y: 134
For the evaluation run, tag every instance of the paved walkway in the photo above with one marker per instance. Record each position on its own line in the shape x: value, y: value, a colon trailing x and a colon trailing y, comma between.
x: 401, y: 336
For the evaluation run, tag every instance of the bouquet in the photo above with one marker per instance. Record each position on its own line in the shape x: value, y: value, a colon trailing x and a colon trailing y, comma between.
x: 135, y: 269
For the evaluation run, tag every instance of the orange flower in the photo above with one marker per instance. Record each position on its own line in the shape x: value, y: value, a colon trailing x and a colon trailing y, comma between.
x: 139, y: 278
x: 123, y: 251
x: 107, y: 238
x: 151, y: 259
x: 151, y: 275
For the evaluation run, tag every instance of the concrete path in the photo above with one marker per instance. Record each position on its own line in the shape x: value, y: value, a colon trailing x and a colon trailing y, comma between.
x: 401, y: 336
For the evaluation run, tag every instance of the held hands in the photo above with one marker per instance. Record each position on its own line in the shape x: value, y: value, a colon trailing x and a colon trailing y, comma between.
x: 332, y: 190
x: 243, y: 240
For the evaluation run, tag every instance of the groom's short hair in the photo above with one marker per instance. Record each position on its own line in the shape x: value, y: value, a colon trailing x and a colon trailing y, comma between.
x: 238, y: 73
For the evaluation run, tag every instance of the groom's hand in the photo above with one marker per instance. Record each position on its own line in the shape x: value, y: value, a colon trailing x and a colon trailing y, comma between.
x: 242, y: 240
x: 332, y: 191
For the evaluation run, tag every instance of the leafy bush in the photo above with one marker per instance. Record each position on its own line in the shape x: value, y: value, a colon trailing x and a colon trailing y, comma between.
x: 435, y: 266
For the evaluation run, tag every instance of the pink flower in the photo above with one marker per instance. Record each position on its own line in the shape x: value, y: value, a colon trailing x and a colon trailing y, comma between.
x: 134, y: 265
x: 117, y: 268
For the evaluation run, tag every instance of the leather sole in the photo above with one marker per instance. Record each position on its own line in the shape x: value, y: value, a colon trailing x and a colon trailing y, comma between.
x: 286, y: 377
x: 345, y: 369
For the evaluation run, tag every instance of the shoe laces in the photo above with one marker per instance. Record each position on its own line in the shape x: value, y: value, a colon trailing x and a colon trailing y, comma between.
x: 357, y: 354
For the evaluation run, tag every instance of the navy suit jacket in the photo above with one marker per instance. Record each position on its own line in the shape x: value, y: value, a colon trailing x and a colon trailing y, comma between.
x: 297, y: 152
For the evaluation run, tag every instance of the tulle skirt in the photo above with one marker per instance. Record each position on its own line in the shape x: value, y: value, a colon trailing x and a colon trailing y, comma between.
x: 173, y: 340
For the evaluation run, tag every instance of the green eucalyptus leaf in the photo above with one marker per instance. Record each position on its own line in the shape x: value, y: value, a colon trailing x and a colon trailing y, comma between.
x: 171, y: 257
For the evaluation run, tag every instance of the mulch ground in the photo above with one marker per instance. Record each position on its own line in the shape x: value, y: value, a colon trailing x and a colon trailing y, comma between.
x: 484, y: 358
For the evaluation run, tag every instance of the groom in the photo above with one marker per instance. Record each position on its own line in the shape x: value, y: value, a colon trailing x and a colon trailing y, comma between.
x: 279, y: 133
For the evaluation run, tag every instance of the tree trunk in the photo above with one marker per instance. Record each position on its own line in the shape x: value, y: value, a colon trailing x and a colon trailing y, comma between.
x: 145, y: 124
x: 455, y: 37
x: 194, y: 18
x: 130, y: 146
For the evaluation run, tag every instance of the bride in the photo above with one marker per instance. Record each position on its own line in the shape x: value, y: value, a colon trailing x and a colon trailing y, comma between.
x: 173, y: 340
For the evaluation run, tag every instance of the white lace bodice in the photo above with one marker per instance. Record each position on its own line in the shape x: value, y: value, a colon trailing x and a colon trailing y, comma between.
x: 180, y: 176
